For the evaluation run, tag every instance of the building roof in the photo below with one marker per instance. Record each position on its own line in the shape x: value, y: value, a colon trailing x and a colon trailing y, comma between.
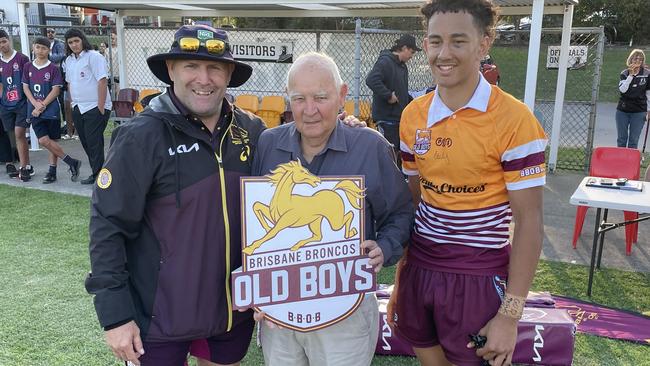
x: 288, y: 8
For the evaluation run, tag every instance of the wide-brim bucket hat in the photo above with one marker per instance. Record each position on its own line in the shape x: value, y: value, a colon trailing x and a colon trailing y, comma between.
x: 202, y: 33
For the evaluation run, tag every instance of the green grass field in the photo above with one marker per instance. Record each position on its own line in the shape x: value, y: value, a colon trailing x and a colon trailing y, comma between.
x: 48, y: 318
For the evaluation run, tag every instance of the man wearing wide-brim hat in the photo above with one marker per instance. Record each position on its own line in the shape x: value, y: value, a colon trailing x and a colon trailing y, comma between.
x: 165, y: 216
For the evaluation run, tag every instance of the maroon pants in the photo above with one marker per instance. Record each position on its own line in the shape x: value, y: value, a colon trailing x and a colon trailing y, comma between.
x: 225, y: 348
x: 440, y: 308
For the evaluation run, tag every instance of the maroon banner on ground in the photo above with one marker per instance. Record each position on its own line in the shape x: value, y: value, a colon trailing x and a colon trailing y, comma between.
x: 606, y: 322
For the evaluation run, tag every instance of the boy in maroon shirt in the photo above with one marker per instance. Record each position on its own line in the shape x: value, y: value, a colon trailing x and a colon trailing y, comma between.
x: 42, y: 83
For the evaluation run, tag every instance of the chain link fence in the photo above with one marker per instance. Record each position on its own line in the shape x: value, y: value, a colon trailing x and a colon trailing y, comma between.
x: 269, y: 78
x: 96, y: 36
x: 509, y: 53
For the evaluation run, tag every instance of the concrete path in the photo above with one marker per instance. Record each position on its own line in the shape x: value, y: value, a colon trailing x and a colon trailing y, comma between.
x: 559, y: 218
x: 605, y: 134
x: 63, y: 183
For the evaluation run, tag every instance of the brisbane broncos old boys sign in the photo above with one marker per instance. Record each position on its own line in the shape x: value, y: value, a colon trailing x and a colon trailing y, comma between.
x: 301, y: 238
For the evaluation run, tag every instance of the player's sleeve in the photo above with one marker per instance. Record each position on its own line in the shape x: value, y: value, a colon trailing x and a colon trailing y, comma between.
x: 57, y: 78
x: 406, y: 142
x: 24, y: 61
x: 25, y: 75
x: 523, y: 159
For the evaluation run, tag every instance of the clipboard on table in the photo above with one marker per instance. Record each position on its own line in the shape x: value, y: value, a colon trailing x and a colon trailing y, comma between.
x: 610, y: 183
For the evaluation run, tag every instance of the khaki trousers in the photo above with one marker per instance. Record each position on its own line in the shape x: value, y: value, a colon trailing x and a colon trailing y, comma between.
x: 351, y: 342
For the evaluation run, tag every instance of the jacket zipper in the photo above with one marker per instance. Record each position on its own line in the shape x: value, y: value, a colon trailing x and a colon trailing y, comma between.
x: 226, y: 223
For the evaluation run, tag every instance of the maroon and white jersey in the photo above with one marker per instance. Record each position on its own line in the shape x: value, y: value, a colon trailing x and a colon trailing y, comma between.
x: 41, y: 80
x: 11, y: 74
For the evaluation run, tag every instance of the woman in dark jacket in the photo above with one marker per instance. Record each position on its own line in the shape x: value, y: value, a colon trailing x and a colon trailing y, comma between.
x: 633, y: 108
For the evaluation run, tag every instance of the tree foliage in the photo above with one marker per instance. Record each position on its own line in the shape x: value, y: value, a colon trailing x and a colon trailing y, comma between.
x: 399, y: 23
x: 624, y: 21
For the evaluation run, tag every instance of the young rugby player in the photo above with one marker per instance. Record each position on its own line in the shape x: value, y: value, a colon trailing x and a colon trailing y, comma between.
x: 42, y: 83
x: 475, y: 160
x: 12, y: 104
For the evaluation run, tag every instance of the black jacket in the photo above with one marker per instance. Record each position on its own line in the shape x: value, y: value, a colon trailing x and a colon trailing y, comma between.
x: 57, y: 53
x: 388, y: 75
x: 165, y: 229
x: 634, y: 91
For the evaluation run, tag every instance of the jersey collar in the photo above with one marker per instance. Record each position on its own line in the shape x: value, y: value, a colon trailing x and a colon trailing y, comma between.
x: 438, y: 111
x: 42, y: 66
x: 10, y: 58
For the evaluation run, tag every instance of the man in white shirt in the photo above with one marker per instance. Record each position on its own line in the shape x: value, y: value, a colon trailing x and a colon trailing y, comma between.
x: 87, y: 78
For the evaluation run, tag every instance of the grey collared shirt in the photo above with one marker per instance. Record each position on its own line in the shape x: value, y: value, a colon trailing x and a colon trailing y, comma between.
x: 352, y: 151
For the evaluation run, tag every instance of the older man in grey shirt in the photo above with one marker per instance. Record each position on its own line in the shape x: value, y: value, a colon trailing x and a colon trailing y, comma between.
x: 325, y: 146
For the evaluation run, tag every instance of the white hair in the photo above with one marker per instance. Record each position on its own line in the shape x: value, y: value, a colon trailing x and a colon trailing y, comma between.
x: 317, y: 59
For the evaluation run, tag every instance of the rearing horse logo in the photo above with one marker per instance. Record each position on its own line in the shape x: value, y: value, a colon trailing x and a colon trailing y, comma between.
x: 288, y: 210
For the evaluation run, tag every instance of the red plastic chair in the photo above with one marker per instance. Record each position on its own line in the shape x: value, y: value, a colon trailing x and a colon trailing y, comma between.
x: 94, y: 22
x: 613, y: 162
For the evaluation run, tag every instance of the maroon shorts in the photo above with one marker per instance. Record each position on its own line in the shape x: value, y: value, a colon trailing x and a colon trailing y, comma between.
x: 440, y: 308
x: 225, y: 348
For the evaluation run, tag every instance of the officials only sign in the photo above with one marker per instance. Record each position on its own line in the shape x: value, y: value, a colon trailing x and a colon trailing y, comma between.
x: 302, y: 260
x: 577, y: 57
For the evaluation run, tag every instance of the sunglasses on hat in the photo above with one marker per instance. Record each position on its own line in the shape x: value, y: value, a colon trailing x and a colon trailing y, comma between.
x: 215, y: 47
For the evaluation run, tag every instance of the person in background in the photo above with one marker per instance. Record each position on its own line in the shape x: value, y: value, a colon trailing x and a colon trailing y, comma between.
x: 102, y: 49
x: 113, y: 60
x: 633, y: 108
x: 388, y: 81
x: 42, y: 84
x: 86, y: 75
x: 13, y: 106
x: 57, y: 55
x: 57, y: 48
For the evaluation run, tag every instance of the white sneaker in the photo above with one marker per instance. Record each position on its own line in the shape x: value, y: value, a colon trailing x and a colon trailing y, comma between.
x: 75, y: 137
x: 65, y: 137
